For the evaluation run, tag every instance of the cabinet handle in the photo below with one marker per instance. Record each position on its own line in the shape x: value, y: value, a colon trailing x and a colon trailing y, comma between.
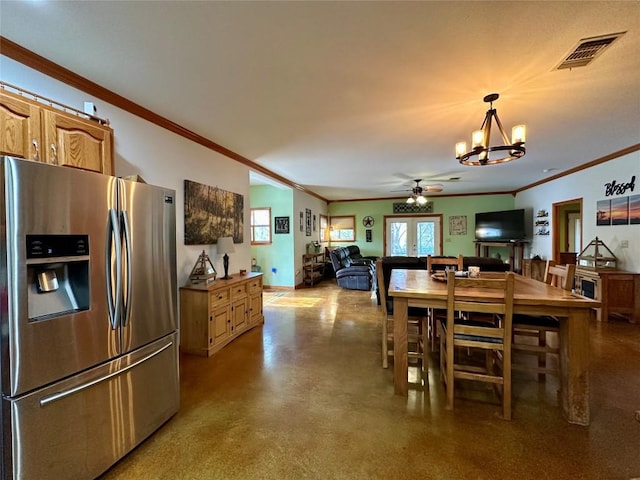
x: 34, y: 142
x: 55, y: 153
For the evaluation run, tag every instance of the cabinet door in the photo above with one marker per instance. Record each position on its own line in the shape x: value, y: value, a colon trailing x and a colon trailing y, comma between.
x: 220, y: 324
x: 255, y: 308
x: 19, y: 128
x: 75, y: 142
x: 238, y: 315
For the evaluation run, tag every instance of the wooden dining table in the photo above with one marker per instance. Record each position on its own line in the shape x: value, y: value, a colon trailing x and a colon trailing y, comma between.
x: 419, y: 288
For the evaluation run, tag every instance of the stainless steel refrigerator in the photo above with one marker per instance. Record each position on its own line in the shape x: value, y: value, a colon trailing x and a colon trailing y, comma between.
x: 88, y: 318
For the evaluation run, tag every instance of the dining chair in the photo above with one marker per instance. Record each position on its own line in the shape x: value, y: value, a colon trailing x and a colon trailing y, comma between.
x: 416, y: 329
x: 527, y: 326
x: 434, y: 315
x: 493, y: 296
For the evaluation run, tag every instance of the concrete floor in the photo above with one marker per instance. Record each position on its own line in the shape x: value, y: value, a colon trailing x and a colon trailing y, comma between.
x: 305, y: 396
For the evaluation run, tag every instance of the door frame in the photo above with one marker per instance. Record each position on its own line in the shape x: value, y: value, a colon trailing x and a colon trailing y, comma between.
x: 559, y: 223
x: 436, y: 217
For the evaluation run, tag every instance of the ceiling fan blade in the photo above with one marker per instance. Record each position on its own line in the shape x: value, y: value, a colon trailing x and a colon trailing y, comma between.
x: 435, y: 187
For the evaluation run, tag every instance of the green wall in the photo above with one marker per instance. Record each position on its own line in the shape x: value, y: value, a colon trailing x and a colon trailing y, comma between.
x: 447, y: 206
x: 280, y: 254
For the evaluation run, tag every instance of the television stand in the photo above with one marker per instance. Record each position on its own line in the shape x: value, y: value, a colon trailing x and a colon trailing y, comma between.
x: 516, y: 252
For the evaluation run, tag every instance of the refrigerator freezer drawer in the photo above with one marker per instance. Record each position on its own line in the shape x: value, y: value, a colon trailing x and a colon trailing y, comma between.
x: 78, y: 428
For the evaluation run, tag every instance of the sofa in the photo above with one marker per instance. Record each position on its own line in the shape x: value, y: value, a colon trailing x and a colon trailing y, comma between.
x: 353, y: 271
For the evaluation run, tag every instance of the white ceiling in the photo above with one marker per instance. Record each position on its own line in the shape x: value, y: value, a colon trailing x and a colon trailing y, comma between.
x: 353, y: 99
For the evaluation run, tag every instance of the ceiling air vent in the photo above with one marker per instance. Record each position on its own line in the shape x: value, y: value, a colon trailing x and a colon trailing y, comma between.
x: 587, y: 50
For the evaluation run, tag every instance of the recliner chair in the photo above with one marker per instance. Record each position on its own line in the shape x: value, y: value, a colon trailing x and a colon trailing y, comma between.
x: 353, y: 271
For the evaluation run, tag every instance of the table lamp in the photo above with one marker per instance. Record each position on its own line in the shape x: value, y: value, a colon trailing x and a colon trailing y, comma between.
x: 225, y: 246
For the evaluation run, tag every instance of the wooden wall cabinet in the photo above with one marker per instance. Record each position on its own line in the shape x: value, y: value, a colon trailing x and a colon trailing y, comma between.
x: 35, y: 131
x: 617, y: 290
x: 214, y: 315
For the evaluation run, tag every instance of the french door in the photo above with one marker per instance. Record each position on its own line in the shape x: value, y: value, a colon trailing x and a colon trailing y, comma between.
x: 415, y: 236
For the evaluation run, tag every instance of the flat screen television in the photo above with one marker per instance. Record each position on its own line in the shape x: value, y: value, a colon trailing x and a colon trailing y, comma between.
x: 504, y: 226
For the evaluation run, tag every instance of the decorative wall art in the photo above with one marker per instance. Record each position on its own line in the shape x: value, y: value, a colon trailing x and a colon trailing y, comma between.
x: 368, y: 235
x: 542, y: 223
x: 634, y: 210
x: 308, y: 222
x: 403, y: 207
x: 301, y: 222
x: 603, y: 212
x: 281, y: 224
x: 211, y: 213
x: 618, y: 211
x: 315, y: 225
x: 457, y: 225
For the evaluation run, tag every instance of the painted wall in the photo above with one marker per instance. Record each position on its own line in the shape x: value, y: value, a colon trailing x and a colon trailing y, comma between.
x: 276, y: 259
x: 301, y: 202
x: 589, y: 184
x: 447, y: 206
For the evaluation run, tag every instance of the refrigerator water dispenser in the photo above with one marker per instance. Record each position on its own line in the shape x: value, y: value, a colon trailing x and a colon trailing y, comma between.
x: 57, y: 275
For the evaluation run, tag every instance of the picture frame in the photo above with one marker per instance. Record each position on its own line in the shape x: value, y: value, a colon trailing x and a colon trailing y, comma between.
x: 457, y: 225
x: 603, y: 212
x: 210, y: 213
x: 280, y: 225
x: 634, y: 210
x: 308, y: 222
x: 301, y: 221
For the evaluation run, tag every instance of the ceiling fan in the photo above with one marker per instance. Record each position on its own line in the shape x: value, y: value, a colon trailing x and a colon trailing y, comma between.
x: 417, y: 191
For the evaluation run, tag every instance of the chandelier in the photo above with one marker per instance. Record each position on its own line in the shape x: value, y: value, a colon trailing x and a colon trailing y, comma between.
x: 481, y: 149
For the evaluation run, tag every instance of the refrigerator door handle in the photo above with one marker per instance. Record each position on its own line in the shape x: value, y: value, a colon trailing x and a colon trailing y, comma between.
x: 127, y: 271
x: 114, y: 298
x: 44, y: 401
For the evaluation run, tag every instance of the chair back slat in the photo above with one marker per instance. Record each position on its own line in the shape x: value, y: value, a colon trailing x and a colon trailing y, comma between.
x: 446, y: 261
x: 561, y: 276
x: 495, y: 296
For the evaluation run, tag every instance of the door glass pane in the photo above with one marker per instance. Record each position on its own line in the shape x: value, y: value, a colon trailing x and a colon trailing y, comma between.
x: 398, y: 239
x: 425, y: 232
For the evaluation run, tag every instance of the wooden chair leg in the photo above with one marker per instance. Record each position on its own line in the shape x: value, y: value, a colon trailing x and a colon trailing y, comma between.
x: 385, y: 346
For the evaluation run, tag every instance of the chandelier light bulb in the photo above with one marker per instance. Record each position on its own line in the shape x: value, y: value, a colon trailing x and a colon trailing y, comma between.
x: 518, y: 134
x: 477, y: 139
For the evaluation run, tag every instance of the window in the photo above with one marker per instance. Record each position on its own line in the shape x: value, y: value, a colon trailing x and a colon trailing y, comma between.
x: 260, y: 226
x: 343, y: 228
x: 324, y: 228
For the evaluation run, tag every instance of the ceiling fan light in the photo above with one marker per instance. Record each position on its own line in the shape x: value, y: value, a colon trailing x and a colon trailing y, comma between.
x: 411, y: 200
x: 421, y: 200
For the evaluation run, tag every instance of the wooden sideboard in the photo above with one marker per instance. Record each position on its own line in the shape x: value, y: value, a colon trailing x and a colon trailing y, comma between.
x: 211, y: 316
x: 617, y: 290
